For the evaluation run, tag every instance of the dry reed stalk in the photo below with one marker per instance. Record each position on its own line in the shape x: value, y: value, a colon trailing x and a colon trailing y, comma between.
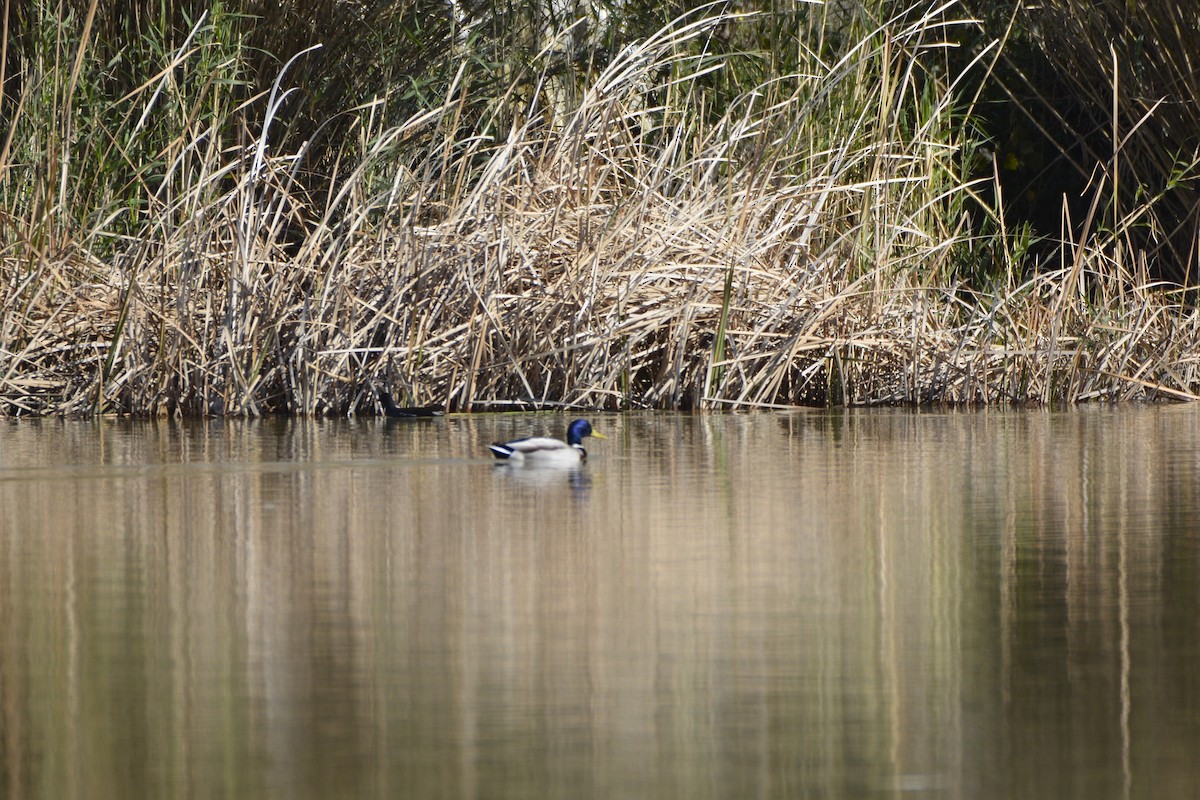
x: 630, y: 255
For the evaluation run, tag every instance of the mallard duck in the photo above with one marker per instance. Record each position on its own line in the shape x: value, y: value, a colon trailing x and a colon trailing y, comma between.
x: 390, y: 409
x: 542, y: 450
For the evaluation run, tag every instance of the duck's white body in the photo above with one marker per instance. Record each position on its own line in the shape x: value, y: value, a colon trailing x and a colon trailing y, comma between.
x: 539, y: 450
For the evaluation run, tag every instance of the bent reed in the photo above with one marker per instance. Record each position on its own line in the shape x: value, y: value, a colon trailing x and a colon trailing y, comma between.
x: 628, y: 246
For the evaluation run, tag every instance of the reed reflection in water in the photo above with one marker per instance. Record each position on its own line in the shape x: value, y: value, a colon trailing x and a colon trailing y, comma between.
x: 876, y: 604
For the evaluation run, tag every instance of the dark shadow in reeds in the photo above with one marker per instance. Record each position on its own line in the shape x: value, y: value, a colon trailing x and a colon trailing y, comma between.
x: 1109, y: 89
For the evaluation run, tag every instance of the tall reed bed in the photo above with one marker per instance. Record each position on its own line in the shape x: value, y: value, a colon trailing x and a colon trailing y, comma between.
x: 645, y: 237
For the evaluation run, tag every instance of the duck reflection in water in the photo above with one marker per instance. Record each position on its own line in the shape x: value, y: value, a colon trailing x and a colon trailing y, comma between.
x: 544, y: 477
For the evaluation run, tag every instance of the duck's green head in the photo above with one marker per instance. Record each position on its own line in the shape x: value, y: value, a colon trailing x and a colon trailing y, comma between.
x: 579, y: 429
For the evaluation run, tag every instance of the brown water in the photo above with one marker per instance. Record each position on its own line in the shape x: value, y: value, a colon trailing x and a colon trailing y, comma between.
x: 875, y: 605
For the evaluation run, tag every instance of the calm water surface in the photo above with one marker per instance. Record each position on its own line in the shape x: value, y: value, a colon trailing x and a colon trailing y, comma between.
x: 874, y: 605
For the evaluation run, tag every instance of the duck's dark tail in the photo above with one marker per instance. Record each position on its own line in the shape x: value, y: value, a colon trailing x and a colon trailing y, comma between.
x: 390, y: 409
x: 501, y: 450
